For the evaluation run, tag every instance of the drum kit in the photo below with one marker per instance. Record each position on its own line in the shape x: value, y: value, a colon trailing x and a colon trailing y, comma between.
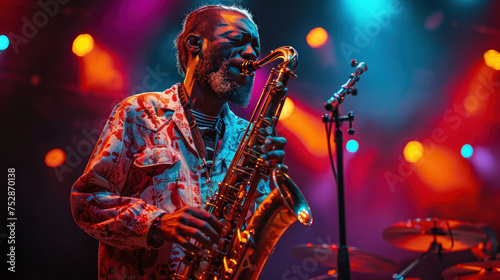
x: 428, y: 236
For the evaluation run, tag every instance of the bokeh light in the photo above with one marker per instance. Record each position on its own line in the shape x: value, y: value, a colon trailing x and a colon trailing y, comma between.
x: 304, y: 129
x: 352, y: 146
x: 35, y: 80
x: 4, y: 42
x: 317, y: 37
x: 55, y: 157
x: 446, y: 178
x: 83, y: 44
x: 492, y: 59
x: 287, y: 109
x: 466, y: 151
x: 434, y: 20
x: 413, y: 151
x: 101, y: 71
x: 361, y: 11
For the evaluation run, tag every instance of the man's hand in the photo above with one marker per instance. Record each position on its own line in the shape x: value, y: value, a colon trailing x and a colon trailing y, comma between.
x: 273, y: 152
x: 188, y: 222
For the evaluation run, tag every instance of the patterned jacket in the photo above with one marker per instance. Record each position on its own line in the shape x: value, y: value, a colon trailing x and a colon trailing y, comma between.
x: 145, y: 164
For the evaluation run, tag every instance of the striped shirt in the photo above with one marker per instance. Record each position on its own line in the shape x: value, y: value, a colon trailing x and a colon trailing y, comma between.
x: 211, y: 130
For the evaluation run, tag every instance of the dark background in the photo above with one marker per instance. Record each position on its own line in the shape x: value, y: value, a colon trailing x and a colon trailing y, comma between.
x: 427, y: 81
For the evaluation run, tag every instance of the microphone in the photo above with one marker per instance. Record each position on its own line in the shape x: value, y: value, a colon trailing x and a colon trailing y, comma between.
x: 362, y: 67
x: 337, y: 98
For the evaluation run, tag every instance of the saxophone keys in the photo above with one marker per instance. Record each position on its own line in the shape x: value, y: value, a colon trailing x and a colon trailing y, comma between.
x: 200, y: 271
x: 264, y: 149
x: 228, y: 213
x: 226, y: 225
x: 244, y: 238
x: 269, y: 130
x: 228, y: 267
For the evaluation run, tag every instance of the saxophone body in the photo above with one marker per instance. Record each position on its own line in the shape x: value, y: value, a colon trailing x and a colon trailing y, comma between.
x: 250, y: 242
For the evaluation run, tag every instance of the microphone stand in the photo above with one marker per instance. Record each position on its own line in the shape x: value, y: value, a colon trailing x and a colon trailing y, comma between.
x: 343, y: 252
x: 332, y: 105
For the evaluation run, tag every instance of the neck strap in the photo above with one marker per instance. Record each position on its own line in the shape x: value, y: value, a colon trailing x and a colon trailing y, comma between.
x: 198, y: 141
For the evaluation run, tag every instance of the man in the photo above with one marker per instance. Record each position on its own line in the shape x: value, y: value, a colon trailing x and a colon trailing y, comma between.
x: 146, y: 183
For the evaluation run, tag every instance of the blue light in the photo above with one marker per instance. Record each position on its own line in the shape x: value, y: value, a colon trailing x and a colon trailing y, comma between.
x: 352, y: 146
x: 4, y: 42
x: 362, y: 11
x: 466, y: 151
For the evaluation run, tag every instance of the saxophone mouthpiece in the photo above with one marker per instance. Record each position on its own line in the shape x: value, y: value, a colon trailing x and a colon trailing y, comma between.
x: 249, y: 67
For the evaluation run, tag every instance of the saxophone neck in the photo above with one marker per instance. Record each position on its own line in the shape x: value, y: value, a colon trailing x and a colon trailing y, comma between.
x: 287, y: 53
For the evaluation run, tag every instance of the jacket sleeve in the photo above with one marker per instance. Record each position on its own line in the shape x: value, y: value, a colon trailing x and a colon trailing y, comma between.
x: 97, y: 203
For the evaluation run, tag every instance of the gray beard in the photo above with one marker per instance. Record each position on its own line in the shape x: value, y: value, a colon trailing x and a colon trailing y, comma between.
x: 220, y: 83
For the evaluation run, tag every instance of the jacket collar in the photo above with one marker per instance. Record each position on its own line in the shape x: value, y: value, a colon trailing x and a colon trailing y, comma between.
x: 169, y: 101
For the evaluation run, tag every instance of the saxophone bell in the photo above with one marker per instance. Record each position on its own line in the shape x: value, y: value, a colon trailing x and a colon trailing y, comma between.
x: 292, y: 197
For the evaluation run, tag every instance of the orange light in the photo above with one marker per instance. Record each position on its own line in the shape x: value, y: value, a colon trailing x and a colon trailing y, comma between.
x: 317, y: 37
x: 305, y: 126
x: 332, y: 272
x: 55, y: 158
x: 83, y: 44
x: 445, y: 171
x: 480, y: 90
x: 413, y: 151
x: 287, y: 109
x: 101, y: 71
x: 492, y: 59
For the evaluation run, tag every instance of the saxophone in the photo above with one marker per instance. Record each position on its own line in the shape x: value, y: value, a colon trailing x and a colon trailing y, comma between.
x: 249, y: 243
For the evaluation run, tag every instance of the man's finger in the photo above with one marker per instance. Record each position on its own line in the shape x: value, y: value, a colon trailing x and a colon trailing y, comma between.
x: 278, y: 155
x: 205, y: 216
x: 188, y: 246
x: 208, y: 230
x: 275, y: 143
x: 197, y: 235
x: 282, y: 167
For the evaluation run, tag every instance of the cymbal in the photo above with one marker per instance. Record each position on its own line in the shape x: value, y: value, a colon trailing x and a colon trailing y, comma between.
x: 360, y: 261
x: 487, y: 270
x: 418, y: 235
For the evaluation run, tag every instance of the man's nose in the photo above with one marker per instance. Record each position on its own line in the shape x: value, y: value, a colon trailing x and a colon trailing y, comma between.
x: 248, y: 53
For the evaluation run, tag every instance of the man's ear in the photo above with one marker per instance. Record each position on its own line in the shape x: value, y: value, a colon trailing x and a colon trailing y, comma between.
x: 194, y: 43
